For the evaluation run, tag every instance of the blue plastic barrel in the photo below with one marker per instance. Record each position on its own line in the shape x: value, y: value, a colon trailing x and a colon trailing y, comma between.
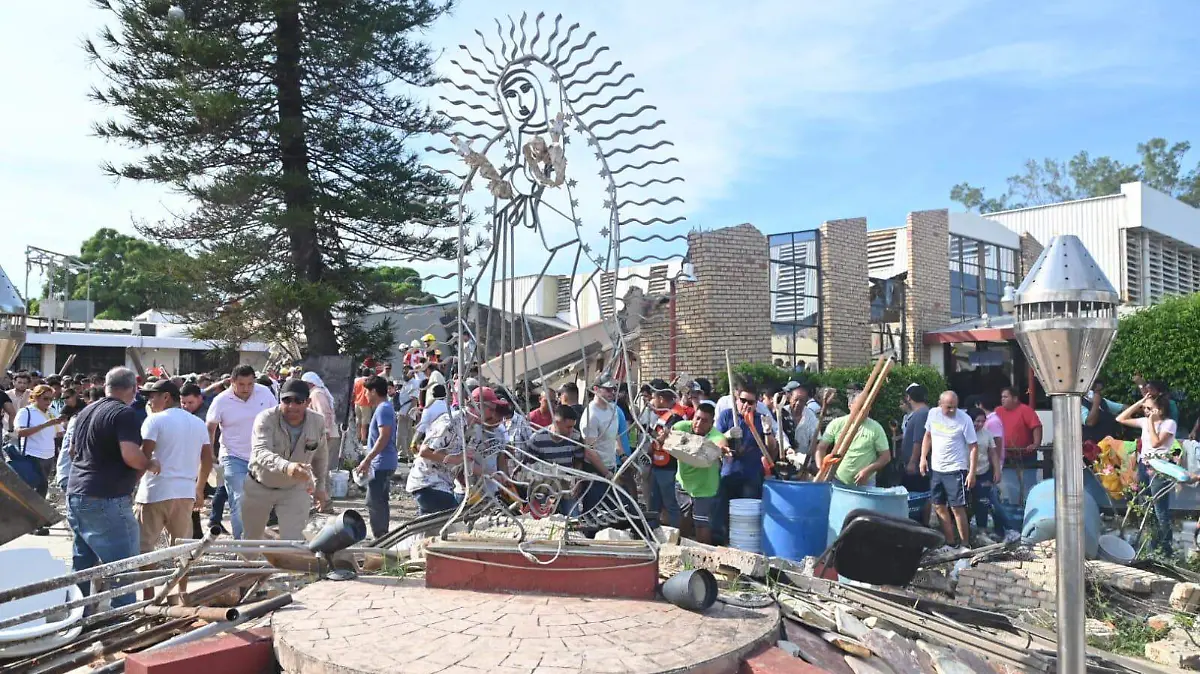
x: 1039, y: 518
x: 916, y: 505
x: 891, y: 501
x: 794, y: 518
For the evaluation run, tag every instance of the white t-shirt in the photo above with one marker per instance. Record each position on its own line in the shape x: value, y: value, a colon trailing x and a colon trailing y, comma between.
x: 601, y: 425
x: 236, y: 417
x: 1149, y: 451
x: 40, y: 444
x: 952, y: 439
x: 179, y: 436
x: 983, y: 463
x: 432, y: 413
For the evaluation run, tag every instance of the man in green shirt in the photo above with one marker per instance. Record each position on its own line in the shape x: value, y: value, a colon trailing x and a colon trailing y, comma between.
x: 695, y: 487
x: 868, y: 453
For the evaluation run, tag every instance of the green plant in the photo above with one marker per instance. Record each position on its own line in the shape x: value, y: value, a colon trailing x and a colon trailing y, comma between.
x: 1158, y: 343
x: 887, y: 405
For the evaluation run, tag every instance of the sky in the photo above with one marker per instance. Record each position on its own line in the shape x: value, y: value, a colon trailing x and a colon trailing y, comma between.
x: 784, y: 113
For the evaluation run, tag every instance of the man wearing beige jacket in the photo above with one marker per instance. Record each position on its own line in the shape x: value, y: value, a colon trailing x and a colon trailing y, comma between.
x: 288, y: 461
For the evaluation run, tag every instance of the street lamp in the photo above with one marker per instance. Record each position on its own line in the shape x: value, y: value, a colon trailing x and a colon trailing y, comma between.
x: 12, y: 322
x: 1065, y: 313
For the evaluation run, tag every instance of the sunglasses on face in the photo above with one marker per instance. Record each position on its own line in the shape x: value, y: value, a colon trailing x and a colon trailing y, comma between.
x: 747, y: 401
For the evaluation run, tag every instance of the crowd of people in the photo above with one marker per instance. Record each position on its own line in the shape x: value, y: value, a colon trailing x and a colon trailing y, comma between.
x: 134, y: 456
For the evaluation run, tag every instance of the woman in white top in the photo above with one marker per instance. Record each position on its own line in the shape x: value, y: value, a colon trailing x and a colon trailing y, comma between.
x: 1157, y: 442
x: 36, y: 429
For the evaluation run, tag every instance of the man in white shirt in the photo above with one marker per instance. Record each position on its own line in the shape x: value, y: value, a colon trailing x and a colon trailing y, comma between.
x: 432, y: 412
x: 179, y: 441
x: 233, y: 412
x: 948, y: 456
x: 600, y: 424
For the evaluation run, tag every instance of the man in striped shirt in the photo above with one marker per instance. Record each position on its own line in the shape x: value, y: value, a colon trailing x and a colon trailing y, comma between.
x: 561, y: 444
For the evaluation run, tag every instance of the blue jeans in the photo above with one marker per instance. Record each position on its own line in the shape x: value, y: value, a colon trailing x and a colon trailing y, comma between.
x: 219, y: 499
x: 662, y: 496
x: 1161, y: 540
x: 377, y: 501
x: 236, y: 471
x: 1011, y: 491
x: 105, y: 531
x: 430, y: 500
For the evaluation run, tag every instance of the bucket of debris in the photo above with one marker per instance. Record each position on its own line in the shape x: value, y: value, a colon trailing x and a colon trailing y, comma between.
x: 339, y: 483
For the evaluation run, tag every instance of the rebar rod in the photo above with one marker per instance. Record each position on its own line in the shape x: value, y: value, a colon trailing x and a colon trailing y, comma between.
x: 102, y: 571
x: 209, y: 613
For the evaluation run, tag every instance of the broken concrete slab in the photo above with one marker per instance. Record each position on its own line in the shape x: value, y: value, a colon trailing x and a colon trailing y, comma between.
x: 1163, y: 621
x: 870, y: 665
x: 814, y: 650
x: 847, y: 645
x: 898, y: 652
x: 1185, y: 597
x: 849, y: 625
x: 1098, y: 629
x: 1174, y: 653
x: 806, y: 613
x: 714, y: 557
x: 943, y: 660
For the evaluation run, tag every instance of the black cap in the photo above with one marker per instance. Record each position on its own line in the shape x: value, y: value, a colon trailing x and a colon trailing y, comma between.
x: 296, y: 389
x: 161, y: 386
x: 705, y: 385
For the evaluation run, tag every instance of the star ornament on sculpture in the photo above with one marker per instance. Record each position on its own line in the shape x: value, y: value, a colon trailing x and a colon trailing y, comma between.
x: 604, y: 232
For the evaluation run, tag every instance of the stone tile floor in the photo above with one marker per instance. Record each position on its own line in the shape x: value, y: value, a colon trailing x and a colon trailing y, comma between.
x: 391, y: 625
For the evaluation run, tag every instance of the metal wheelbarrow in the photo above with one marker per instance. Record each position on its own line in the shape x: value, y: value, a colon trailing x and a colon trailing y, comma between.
x: 877, y: 549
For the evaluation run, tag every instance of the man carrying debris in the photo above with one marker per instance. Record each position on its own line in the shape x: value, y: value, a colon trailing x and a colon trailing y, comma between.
x: 948, y: 456
x: 432, y: 477
x: 868, y: 453
x: 288, y: 461
x: 697, y: 487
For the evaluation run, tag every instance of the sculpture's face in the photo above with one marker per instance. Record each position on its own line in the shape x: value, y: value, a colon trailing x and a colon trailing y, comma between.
x: 524, y: 100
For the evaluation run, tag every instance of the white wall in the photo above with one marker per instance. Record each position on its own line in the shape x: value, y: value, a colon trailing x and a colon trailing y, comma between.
x: 1164, y: 214
x: 985, y: 229
x: 1097, y: 222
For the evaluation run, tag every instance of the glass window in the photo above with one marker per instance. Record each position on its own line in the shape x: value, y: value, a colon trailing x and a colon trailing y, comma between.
x: 795, y: 285
x: 978, y: 273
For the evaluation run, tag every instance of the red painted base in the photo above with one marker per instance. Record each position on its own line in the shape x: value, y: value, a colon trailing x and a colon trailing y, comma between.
x: 245, y: 652
x: 600, y: 572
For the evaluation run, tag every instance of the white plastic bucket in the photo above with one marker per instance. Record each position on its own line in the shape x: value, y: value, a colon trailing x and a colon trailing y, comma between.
x: 339, y: 483
x: 1115, y: 549
x: 745, y: 524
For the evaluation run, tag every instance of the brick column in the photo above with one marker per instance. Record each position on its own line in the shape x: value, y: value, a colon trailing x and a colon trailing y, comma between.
x: 845, y: 294
x: 726, y: 307
x: 1030, y: 250
x: 927, y: 300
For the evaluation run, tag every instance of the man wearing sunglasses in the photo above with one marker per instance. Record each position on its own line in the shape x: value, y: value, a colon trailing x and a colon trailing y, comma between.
x: 750, y: 437
x: 288, y: 462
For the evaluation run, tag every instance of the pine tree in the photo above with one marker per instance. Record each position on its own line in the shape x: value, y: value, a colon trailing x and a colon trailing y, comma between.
x: 285, y: 122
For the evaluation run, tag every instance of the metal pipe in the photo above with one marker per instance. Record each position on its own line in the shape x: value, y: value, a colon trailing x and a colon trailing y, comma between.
x: 161, y: 594
x: 209, y: 613
x: 104, y: 570
x: 1068, y: 534
x: 247, y: 613
x: 115, y: 646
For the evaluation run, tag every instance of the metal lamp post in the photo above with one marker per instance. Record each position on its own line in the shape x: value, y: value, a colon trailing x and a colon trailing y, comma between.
x: 1065, y: 314
x: 12, y: 322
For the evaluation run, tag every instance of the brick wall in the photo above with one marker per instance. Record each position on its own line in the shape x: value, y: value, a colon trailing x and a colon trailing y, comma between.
x: 1030, y: 250
x: 845, y: 294
x: 928, y: 294
x: 727, y: 307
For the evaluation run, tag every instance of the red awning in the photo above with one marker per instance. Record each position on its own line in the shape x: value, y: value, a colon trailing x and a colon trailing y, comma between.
x: 970, y: 335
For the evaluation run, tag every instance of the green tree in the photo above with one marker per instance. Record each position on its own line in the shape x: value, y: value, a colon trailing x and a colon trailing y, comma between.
x: 1159, y: 165
x: 128, y: 276
x: 398, y: 285
x: 285, y: 122
x: 1158, y: 342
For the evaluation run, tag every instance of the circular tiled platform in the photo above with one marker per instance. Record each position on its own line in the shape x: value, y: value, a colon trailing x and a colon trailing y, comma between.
x: 389, y: 625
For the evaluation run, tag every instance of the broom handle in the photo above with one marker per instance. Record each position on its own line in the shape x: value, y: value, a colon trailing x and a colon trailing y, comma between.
x: 851, y: 430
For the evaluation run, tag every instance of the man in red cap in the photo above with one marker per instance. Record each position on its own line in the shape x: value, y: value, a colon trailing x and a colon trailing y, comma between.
x: 442, y: 455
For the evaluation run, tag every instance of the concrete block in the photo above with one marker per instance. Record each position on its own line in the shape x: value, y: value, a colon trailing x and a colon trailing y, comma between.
x: 1164, y: 621
x: 245, y: 652
x: 1174, y: 653
x: 1186, y: 597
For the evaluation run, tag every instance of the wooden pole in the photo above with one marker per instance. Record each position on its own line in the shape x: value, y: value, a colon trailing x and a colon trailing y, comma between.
x: 67, y: 365
x: 867, y: 399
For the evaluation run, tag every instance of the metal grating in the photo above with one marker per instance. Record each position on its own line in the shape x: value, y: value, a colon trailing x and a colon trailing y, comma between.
x: 658, y: 279
x: 562, y: 300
